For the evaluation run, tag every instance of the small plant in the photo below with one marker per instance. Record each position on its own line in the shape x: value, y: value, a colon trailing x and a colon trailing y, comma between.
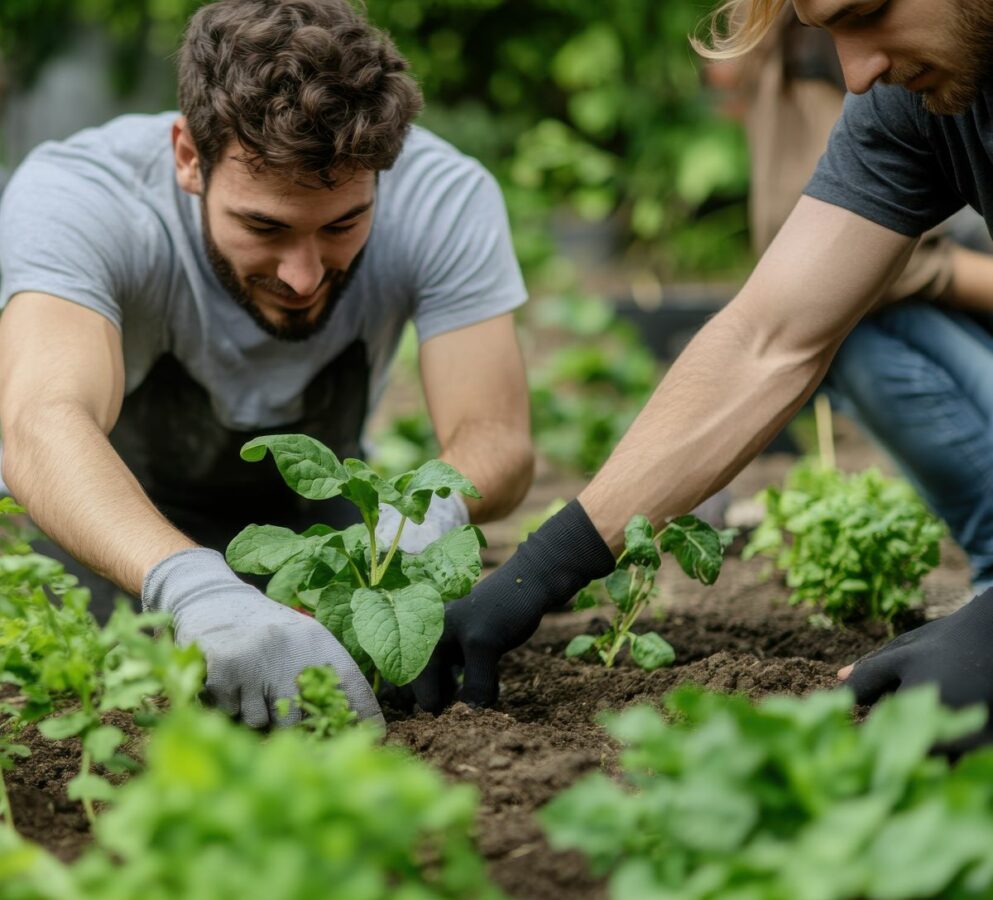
x: 385, y: 606
x: 786, y: 800
x: 857, y: 546
x: 222, y: 812
x: 699, y: 550
x: 323, y: 704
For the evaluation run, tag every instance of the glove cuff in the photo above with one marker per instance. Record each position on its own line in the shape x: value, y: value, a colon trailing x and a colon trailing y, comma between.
x: 566, y: 553
x: 166, y: 582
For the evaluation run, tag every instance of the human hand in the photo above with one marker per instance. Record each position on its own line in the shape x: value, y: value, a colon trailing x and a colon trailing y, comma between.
x: 254, y: 647
x: 955, y: 652
x: 444, y: 514
x: 564, y: 555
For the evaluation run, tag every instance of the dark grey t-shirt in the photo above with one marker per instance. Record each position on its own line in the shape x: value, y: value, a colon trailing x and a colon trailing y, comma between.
x: 894, y: 163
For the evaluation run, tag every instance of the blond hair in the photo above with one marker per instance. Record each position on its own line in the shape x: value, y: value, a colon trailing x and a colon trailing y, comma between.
x: 736, y: 27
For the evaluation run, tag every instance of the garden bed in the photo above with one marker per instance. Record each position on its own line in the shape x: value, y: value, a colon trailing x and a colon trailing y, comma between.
x: 738, y: 635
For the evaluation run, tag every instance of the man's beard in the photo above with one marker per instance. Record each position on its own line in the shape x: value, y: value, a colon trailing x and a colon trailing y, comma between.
x: 972, y: 38
x: 295, y: 324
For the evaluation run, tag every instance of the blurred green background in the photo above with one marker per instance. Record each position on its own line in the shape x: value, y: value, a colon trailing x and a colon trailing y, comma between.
x: 592, y: 115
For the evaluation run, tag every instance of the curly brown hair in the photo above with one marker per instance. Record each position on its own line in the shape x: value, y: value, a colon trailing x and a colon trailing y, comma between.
x: 308, y: 88
x: 736, y: 27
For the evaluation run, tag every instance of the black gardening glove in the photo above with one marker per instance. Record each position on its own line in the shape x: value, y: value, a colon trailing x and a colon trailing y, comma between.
x: 503, y: 611
x: 955, y: 652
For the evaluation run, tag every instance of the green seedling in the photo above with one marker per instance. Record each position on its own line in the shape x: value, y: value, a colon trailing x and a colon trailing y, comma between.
x: 699, y: 550
x: 322, y: 702
x: 856, y: 546
x: 786, y: 799
x: 386, y: 607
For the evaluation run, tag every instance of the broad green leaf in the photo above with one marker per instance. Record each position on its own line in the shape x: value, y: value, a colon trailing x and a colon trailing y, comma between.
x: 306, y: 465
x: 334, y: 612
x: 652, y: 652
x: 415, y: 489
x: 102, y: 742
x: 452, y: 563
x: 399, y: 629
x: 87, y: 786
x: 580, y: 644
x: 639, y: 543
x: 67, y: 726
x: 586, y: 598
x: 696, y: 546
x: 263, y: 549
x: 618, y: 584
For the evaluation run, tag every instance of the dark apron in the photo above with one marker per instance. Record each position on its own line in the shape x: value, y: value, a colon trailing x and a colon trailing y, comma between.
x: 189, y: 464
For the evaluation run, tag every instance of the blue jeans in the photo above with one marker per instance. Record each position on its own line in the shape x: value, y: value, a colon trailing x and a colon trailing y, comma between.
x: 919, y: 379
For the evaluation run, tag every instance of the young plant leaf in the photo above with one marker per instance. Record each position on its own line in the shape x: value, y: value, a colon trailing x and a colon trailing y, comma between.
x: 696, y: 546
x: 102, y: 742
x: 580, y: 645
x: 651, y: 652
x: 264, y: 549
x: 415, y: 489
x: 71, y: 724
x: 399, y: 629
x: 306, y: 465
x: 451, y: 563
x: 618, y: 585
x: 87, y: 786
x: 334, y: 611
x: 639, y: 543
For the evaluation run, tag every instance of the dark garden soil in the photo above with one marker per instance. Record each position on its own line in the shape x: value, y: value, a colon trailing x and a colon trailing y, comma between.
x: 738, y: 635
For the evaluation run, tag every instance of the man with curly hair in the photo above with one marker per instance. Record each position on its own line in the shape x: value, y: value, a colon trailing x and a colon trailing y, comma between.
x: 175, y: 284
x: 913, y: 146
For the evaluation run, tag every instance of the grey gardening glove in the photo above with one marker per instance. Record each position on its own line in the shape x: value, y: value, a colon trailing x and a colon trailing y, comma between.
x: 254, y: 646
x: 444, y: 514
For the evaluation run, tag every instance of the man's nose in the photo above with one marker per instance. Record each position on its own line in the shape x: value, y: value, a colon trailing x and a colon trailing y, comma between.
x: 301, y: 268
x: 862, y: 63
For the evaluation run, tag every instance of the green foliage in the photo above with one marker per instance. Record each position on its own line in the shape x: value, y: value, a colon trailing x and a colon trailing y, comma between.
x: 221, y: 813
x: 57, y: 658
x: 566, y: 105
x: 699, y: 550
x: 855, y: 545
x: 588, y: 393
x: 385, y: 606
x: 786, y: 800
x: 322, y: 702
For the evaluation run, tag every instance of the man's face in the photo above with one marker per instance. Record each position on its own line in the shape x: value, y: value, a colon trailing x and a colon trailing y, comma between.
x: 940, y: 48
x: 285, y: 252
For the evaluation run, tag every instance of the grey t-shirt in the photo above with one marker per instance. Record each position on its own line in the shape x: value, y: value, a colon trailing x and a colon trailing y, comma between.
x: 894, y: 163
x: 99, y: 220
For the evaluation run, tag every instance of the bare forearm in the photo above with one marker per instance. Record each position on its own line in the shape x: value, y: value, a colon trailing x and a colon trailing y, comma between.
x: 498, y: 459
x: 61, y: 467
x: 971, y: 285
x: 723, y: 400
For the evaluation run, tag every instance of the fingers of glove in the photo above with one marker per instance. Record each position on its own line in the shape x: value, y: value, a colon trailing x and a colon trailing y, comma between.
x: 255, y: 711
x: 480, y: 684
x: 875, y: 675
x: 435, y: 687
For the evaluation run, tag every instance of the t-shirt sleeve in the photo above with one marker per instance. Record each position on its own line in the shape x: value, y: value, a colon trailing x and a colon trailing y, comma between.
x: 70, y: 233
x: 465, y: 267
x: 881, y: 165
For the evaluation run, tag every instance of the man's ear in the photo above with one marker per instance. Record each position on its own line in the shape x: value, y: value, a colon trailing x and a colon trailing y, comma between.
x: 189, y: 175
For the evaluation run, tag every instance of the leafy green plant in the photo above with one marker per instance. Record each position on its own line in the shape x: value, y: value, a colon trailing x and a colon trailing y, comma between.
x: 855, y: 545
x: 699, y: 550
x: 786, y: 800
x: 56, y: 657
x: 323, y: 704
x: 384, y: 605
x: 221, y: 812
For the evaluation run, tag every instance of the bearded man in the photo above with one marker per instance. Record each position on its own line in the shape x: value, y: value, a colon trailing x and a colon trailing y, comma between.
x: 176, y: 284
x: 913, y: 146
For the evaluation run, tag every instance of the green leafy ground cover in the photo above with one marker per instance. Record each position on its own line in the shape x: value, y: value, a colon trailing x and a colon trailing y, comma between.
x: 856, y: 546
x: 786, y: 800
x: 386, y: 607
x: 699, y: 550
